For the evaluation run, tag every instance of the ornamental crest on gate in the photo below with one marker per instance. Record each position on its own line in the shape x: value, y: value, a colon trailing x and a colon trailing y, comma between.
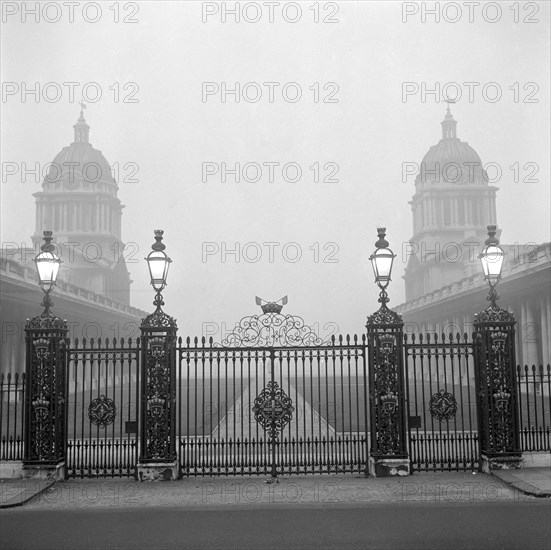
x: 41, y: 348
x: 501, y: 399
x: 157, y: 346
x: 387, y: 343
x: 498, y: 342
x: 389, y: 402
x: 41, y: 408
x: 272, y: 328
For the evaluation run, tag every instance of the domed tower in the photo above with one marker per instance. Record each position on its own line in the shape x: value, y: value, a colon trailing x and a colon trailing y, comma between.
x: 79, y: 203
x: 452, y: 206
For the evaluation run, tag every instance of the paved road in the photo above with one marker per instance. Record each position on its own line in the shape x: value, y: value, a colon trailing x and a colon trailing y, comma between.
x: 367, y: 526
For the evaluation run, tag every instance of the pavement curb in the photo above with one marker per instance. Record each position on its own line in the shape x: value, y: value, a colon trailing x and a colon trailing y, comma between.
x: 22, y: 502
x: 522, y: 486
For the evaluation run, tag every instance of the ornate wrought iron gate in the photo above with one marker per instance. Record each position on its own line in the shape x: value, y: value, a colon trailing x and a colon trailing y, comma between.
x: 103, y: 399
x: 443, y: 422
x: 272, y: 398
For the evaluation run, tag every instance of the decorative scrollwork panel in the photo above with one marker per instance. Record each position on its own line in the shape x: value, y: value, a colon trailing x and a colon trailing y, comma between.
x: 272, y: 329
x: 102, y: 411
x: 443, y: 406
x: 273, y: 409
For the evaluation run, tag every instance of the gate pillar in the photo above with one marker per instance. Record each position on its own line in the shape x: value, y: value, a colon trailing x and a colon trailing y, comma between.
x: 388, y: 455
x: 158, y: 459
x: 45, y: 398
x: 496, y: 388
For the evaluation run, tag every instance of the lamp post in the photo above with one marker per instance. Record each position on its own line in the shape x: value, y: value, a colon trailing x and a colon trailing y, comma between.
x: 388, y: 454
x: 491, y: 259
x: 158, y: 458
x: 45, y: 373
x: 495, y: 370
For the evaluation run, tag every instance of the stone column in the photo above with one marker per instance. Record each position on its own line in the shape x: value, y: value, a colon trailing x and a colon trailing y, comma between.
x: 547, y: 336
x: 388, y: 455
x: 455, y: 210
x: 543, y: 333
x: 521, y: 334
x: 496, y: 389
x: 531, y: 335
x: 467, y: 325
x: 45, y: 398
x: 96, y: 214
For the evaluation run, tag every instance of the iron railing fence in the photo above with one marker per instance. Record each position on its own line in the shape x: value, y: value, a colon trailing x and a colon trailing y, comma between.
x: 12, y: 416
x: 442, y: 404
x: 328, y: 432
x: 534, y: 395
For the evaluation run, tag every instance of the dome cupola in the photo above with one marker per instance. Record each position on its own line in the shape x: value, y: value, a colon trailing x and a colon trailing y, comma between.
x: 79, y: 166
x: 451, y: 161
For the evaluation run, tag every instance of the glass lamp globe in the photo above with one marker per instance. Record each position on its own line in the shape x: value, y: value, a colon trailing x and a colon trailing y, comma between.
x: 491, y: 257
x: 158, y: 262
x: 47, y: 264
x: 382, y: 260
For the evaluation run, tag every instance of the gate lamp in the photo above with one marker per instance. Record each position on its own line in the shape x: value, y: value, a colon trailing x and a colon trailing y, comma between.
x: 381, y: 261
x: 158, y: 263
x: 491, y: 259
x: 47, y: 265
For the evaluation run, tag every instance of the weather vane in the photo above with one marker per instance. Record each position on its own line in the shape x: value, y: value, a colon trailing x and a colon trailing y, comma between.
x: 448, y: 101
x: 82, y: 106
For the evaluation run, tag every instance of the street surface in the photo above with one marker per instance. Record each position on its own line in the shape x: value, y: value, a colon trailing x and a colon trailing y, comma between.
x: 405, y: 525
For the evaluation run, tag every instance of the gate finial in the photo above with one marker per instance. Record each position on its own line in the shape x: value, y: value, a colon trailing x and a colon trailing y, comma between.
x: 272, y: 307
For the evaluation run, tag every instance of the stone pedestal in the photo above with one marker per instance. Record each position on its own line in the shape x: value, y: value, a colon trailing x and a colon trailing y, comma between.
x: 388, y: 467
x: 54, y: 472
x: 158, y: 471
x: 489, y: 464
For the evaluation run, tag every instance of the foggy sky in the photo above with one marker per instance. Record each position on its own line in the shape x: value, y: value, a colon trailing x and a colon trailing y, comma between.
x: 369, y: 133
